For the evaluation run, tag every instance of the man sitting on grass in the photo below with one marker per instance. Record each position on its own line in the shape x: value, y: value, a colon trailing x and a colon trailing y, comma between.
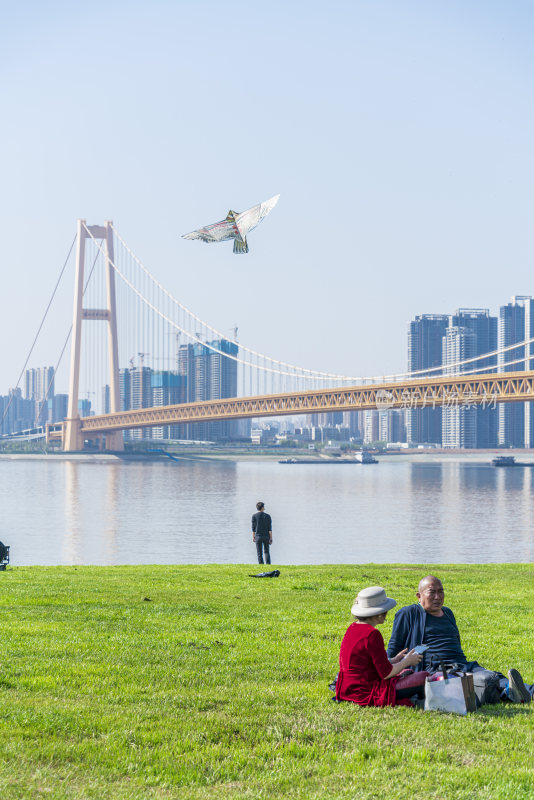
x: 431, y: 623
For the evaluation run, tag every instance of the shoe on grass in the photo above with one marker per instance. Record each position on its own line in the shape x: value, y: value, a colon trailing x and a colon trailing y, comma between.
x: 517, y: 691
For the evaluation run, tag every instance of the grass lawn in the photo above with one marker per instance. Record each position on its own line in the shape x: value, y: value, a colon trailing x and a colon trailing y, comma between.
x: 200, y: 682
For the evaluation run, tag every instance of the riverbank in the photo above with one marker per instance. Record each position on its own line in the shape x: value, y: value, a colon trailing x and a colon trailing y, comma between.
x: 121, y: 683
x: 197, y: 452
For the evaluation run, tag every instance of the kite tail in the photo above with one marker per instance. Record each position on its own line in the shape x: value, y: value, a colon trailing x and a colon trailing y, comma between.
x: 240, y: 246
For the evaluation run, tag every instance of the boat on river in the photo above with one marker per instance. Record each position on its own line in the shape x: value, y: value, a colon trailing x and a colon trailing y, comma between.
x: 364, y: 457
x: 509, y: 461
x: 360, y: 458
x: 504, y: 461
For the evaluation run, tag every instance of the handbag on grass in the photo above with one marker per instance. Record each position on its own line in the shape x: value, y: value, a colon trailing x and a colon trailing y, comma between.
x: 455, y: 695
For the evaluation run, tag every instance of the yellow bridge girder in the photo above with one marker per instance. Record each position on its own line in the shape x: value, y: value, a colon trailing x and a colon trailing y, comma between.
x: 446, y: 392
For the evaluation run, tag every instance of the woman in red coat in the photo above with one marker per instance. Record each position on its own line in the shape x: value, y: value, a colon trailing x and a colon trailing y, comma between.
x: 366, y: 675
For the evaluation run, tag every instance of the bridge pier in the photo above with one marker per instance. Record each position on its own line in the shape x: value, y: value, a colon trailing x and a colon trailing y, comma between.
x: 114, y: 441
x: 74, y: 438
x: 72, y: 435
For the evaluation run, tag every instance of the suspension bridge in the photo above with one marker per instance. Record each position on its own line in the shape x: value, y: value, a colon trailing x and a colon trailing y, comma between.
x: 122, y: 314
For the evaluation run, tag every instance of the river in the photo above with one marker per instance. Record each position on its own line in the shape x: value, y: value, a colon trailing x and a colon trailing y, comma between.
x: 412, y: 509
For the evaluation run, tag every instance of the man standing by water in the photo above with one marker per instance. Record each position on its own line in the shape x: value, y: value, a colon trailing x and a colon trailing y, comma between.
x: 262, y: 533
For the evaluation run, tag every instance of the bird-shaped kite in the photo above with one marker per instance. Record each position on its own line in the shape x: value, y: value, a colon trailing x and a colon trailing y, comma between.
x: 236, y: 226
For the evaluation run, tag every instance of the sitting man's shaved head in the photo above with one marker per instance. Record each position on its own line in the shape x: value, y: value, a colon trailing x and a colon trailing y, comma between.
x: 430, y: 595
x: 423, y: 583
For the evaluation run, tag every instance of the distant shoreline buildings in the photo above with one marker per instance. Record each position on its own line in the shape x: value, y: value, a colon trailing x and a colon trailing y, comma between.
x: 435, y: 339
x: 36, y: 406
x: 203, y: 372
x: 439, y: 339
x: 436, y: 343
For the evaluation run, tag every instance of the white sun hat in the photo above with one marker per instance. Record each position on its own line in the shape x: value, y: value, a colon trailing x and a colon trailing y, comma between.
x: 372, y: 601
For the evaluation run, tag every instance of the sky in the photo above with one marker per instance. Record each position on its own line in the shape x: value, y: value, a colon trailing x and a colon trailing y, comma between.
x: 398, y: 134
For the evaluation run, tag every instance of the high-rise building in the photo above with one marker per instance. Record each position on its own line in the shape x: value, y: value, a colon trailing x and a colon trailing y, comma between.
x: 168, y: 388
x: 135, y: 386
x: 209, y: 375
x: 472, y: 332
x: 84, y: 407
x: 141, y: 396
x: 458, y: 421
x: 484, y: 326
x: 425, y: 344
x: 16, y: 412
x: 353, y: 421
x: 391, y: 426
x: 371, y: 427
x: 124, y: 384
x: 516, y: 324
x: 39, y: 388
x: 57, y: 408
x: 193, y: 366
x: 223, y: 383
x: 141, y: 387
x: 204, y: 373
x: 38, y: 383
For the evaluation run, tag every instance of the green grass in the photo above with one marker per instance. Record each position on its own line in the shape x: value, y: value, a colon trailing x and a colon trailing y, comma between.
x: 216, y: 686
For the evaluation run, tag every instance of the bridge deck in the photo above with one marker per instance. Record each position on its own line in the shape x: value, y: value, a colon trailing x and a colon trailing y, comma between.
x: 486, y: 390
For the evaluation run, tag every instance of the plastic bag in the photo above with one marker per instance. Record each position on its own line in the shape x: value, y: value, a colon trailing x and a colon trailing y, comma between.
x: 445, y: 695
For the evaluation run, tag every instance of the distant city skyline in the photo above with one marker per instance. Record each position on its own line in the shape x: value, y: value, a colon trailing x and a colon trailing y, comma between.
x: 419, y: 356
x: 435, y: 342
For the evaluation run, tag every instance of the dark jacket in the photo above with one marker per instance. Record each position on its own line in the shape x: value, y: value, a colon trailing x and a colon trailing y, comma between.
x: 261, y: 525
x: 409, y: 629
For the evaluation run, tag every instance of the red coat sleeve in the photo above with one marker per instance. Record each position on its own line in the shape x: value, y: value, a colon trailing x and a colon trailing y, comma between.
x: 377, y: 652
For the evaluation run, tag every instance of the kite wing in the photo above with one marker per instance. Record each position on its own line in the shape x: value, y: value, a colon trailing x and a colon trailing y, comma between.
x: 218, y: 232
x: 252, y: 217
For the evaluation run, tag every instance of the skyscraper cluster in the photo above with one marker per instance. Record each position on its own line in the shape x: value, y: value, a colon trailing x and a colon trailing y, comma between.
x: 436, y: 340
x: 438, y: 344
x: 33, y: 406
x: 204, y: 372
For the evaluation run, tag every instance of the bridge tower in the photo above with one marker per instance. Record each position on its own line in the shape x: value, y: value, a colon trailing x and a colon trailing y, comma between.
x: 72, y: 436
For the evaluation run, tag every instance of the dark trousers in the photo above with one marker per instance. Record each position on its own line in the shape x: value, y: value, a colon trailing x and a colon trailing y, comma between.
x: 262, y: 545
x: 411, y: 683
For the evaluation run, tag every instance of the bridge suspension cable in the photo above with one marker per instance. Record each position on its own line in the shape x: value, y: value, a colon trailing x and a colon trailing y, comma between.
x: 250, y: 358
x: 39, y: 329
x: 291, y: 369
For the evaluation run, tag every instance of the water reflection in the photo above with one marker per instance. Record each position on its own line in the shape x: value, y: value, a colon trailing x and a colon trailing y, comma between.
x: 112, y: 513
x: 71, y: 539
x: 427, y: 512
x: 175, y: 513
x: 403, y: 509
x: 473, y: 512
